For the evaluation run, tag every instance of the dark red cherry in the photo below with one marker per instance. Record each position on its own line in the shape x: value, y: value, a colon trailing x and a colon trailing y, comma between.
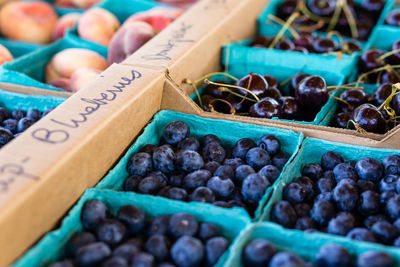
x: 354, y: 97
x: 390, y: 77
x: 324, y: 45
x: 311, y: 93
x: 266, y: 108
x: 381, y: 94
x: 206, y: 101
x: 341, y: 120
x: 284, y: 44
x: 372, y: 6
x: 324, y: 8
x: 258, y: 85
x: 272, y: 82
x: 213, y: 90
x: 351, y: 46
x: 221, y: 106
x: 286, y: 8
x: 393, y: 18
x: 395, y: 58
x: 238, y: 103
x: 396, y: 104
x: 305, y: 40
x: 290, y: 108
x: 273, y: 92
x: 295, y: 82
x: 369, y: 60
x: 261, y: 41
x: 368, y: 117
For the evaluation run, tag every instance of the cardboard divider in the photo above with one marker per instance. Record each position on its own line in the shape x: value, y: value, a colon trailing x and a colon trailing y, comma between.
x: 48, y: 167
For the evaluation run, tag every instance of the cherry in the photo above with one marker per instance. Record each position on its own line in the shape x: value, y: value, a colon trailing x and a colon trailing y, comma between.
x: 273, y: 93
x: 272, y: 81
x: 311, y: 93
x: 369, y: 118
x: 240, y: 105
x: 396, y: 104
x: 323, y: 8
x: 374, y: 7
x: 369, y: 60
x: 212, y: 90
x: 206, y: 101
x: 290, y: 108
x: 221, y: 106
x: 393, y: 18
x: 305, y: 40
x: 389, y: 77
x: 342, y: 119
x: 286, y: 8
x: 381, y: 94
x: 324, y: 45
x: 266, y: 108
x: 295, y: 82
x: 354, y: 97
x: 261, y: 41
x: 258, y: 85
x: 395, y: 58
x: 284, y: 44
x: 351, y: 46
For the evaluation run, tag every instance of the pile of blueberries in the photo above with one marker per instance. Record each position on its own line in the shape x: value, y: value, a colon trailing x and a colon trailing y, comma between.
x: 18, y: 121
x: 130, y: 238
x: 356, y: 199
x: 308, y: 93
x: 261, y: 252
x: 183, y: 168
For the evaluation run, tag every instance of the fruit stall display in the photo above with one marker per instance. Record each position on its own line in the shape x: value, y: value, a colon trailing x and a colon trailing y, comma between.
x: 191, y: 137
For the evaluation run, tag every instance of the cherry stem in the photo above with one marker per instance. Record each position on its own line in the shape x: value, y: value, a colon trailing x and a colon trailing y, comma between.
x: 388, y: 54
x: 303, y: 8
x: 345, y: 86
x: 282, y: 23
x: 187, y: 81
x: 350, y: 19
x: 337, y: 34
x: 232, y: 111
x: 395, y: 91
x: 391, y: 70
x: 284, y: 28
x: 310, y: 28
x: 336, y: 15
x: 358, y: 127
x: 234, y: 86
x: 366, y: 74
x: 213, y: 74
x: 341, y: 100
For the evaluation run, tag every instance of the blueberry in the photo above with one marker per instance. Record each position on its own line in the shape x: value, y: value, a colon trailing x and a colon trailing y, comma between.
x: 341, y: 224
x: 131, y: 183
x: 175, y: 179
x: 322, y: 211
x: 364, y: 185
x: 330, y: 159
x: 175, y: 132
x: 385, y: 196
x: 162, y: 178
x: 313, y: 171
x: 92, y: 254
x: 242, y: 147
x: 270, y: 144
x: 242, y: 172
x: 361, y: 234
x: 280, y: 160
x: 5, y: 136
x: 209, y: 138
x: 396, y: 242
x: 196, y: 179
x: 344, y: 171
x: 374, y: 259
x: 126, y: 251
x: 115, y: 262
x: 398, y: 186
x: 371, y: 220
x: 93, y: 212
x: 66, y: 263
x: 385, y: 232
x: 257, y: 158
x: 258, y: 253
x: 189, y: 143
x: 159, y: 225
x: 211, y: 166
x: 181, y: 224
x: 325, y: 185
x: 187, y: 252
x: 24, y: 124
x: 308, y: 186
x: 369, y: 169
x: 334, y: 255
x: 305, y: 223
x: 254, y: 187
x: 163, y: 159
x: 284, y: 214
x: 134, y: 218
x: 165, y: 264
x: 149, y: 149
x: 388, y: 183
x: 188, y: 160
x: 234, y: 163
x: 33, y: 114
x: 17, y: 114
x: 294, y: 193
x: 207, y: 231
x: 391, y: 164
x: 237, y: 203
x: 214, y: 248
x: 214, y: 152
x: 270, y: 172
x: 329, y: 174
x: 158, y: 246
x: 286, y: 259
x: 222, y: 204
x: 111, y: 232
x: 221, y: 187
x: 11, y: 125
x: 328, y: 196
x: 149, y: 185
x: 202, y: 194
x: 177, y: 194
x: 137, y: 242
x: 393, y: 207
x: 140, y: 164
x: 345, y: 196
x: 225, y: 172
x: 143, y: 259
x: 302, y: 209
x: 369, y: 203
x: 77, y: 241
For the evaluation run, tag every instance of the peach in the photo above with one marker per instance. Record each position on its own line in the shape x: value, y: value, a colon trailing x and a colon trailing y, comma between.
x: 64, y: 63
x: 66, y: 22
x: 179, y: 3
x: 62, y: 83
x: 82, y: 77
x: 129, y: 39
x: 32, y: 22
x: 64, y: 3
x: 5, y: 55
x: 98, y: 25
x: 84, y: 3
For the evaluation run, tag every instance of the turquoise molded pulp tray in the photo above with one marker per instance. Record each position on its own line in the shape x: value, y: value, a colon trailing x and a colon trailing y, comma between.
x: 305, y: 245
x: 30, y: 69
x: 51, y: 247
x: 229, y: 132
x: 281, y: 73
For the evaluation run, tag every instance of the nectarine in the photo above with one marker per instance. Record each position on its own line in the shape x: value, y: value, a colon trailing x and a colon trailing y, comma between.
x: 5, y: 55
x: 66, y: 22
